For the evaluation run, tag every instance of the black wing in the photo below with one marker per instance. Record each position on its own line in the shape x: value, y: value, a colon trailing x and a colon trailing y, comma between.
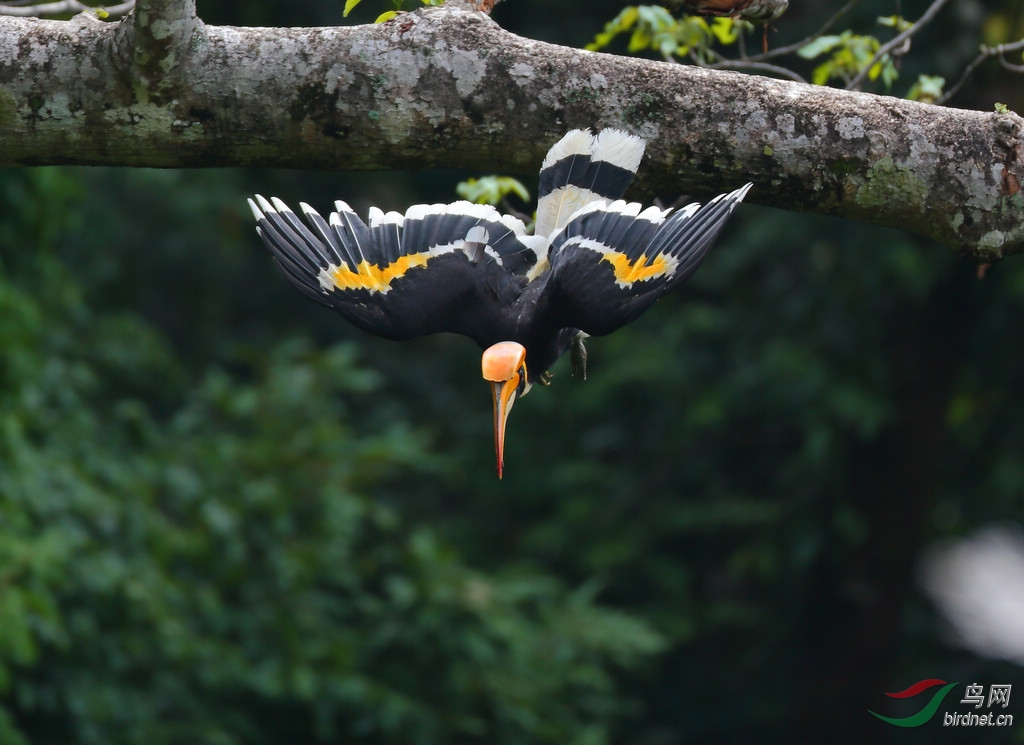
x: 455, y: 267
x: 612, y: 261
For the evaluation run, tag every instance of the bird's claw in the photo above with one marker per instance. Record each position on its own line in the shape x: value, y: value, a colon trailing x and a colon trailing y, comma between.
x: 578, y: 358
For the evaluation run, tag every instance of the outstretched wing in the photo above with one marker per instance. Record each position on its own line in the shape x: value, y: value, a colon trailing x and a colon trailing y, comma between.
x: 454, y: 267
x: 612, y: 261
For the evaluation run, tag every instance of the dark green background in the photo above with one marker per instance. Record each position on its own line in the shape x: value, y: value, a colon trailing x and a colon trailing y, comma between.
x: 228, y: 517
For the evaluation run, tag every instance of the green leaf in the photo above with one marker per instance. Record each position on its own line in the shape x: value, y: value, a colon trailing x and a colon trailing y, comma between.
x: 349, y: 5
x: 819, y: 46
x: 667, y: 45
x: 899, y: 23
x: 822, y: 73
x: 656, y: 17
x: 639, y: 41
x: 624, y: 21
x: 725, y: 30
x: 692, y: 32
x: 386, y: 16
x: 491, y: 189
x: 889, y: 72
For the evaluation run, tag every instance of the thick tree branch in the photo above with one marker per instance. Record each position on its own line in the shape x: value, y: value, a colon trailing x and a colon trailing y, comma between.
x: 442, y: 87
x: 64, y: 6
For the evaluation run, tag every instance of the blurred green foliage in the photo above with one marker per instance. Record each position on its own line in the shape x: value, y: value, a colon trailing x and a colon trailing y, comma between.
x: 226, y: 516
x: 207, y: 557
x: 651, y: 27
x: 842, y: 57
x: 848, y: 54
x: 388, y: 14
x: 491, y: 189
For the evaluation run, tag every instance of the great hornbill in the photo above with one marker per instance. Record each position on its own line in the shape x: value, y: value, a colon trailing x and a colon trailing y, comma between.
x: 593, y: 264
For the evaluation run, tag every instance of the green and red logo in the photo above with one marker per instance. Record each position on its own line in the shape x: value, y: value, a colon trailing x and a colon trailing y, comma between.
x: 916, y: 720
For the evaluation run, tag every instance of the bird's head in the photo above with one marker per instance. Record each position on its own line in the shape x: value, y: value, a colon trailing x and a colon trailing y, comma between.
x: 504, y: 367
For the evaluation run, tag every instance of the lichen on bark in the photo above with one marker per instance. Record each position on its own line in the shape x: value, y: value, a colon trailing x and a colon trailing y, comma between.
x: 448, y: 87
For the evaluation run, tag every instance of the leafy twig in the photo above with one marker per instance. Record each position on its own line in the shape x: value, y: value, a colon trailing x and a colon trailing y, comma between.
x: 895, y: 42
x: 986, y: 54
x: 749, y: 63
x: 789, y: 48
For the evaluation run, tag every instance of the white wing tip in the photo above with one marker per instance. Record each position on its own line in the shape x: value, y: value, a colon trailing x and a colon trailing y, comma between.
x: 256, y: 211
x: 733, y: 197
x: 477, y: 211
x: 620, y: 148
x: 264, y: 205
x: 394, y: 217
x: 573, y: 142
x: 378, y: 217
x: 418, y: 211
x: 739, y: 194
x: 629, y: 209
x: 513, y: 223
x: 307, y: 210
x: 654, y: 214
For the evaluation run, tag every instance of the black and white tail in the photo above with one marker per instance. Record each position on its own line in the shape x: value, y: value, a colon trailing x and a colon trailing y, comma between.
x: 582, y: 168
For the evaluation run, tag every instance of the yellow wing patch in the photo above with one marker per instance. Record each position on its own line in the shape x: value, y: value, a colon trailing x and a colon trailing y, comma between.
x: 369, y: 276
x: 627, y: 273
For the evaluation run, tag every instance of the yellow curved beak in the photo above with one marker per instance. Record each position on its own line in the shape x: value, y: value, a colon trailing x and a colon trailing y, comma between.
x: 504, y: 397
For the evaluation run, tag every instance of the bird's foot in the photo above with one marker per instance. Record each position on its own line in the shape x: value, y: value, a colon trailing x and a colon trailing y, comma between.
x: 578, y: 358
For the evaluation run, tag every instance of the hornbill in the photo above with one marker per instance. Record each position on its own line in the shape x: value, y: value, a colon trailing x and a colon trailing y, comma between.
x: 593, y: 263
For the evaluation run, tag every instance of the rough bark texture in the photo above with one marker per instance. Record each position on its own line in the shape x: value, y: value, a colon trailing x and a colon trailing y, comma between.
x: 446, y: 87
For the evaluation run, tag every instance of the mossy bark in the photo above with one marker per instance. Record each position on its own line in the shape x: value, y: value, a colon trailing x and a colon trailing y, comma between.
x: 448, y: 87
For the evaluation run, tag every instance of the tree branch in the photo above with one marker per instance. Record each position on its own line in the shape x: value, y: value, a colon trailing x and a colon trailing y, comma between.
x: 63, y: 6
x: 796, y: 46
x: 164, y: 41
x: 442, y: 87
x: 986, y: 53
x: 745, y: 63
